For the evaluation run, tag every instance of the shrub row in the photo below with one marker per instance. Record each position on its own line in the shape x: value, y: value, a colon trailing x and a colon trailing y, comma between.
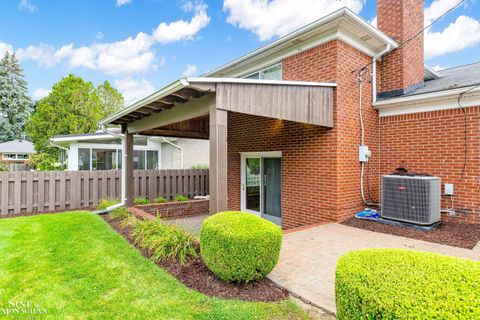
x: 403, y: 284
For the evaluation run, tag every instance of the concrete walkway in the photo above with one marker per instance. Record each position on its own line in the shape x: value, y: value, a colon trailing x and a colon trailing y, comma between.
x: 192, y: 224
x: 308, y: 258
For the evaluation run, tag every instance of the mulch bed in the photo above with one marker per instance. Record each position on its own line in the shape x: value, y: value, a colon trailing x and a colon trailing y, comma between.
x: 455, y: 234
x: 198, y: 277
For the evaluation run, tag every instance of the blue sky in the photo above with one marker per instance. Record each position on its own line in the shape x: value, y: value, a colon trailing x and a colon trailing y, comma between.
x: 141, y: 45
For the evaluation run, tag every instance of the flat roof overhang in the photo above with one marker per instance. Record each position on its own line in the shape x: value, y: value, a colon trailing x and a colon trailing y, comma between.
x: 191, y: 99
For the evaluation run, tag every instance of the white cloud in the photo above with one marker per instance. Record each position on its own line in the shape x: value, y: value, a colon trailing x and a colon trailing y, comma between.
x: 43, y: 54
x: 99, y: 35
x: 438, y: 67
x: 40, y: 93
x: 190, y: 70
x: 437, y: 8
x: 4, y: 47
x: 125, y: 57
x: 134, y: 90
x: 181, y: 29
x: 122, y: 2
x: 27, y: 6
x: 278, y: 17
x: 461, y: 34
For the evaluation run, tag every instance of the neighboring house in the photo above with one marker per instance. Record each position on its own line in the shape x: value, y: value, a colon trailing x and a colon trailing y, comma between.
x: 16, y: 154
x: 285, y: 121
x: 102, y: 151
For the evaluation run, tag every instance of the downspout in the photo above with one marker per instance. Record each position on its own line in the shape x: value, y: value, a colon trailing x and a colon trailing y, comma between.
x: 59, y: 147
x: 374, y: 70
x: 374, y: 98
x: 178, y: 147
x: 123, y: 199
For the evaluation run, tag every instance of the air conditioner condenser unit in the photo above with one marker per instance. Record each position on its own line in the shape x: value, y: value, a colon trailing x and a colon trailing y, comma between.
x: 411, y: 198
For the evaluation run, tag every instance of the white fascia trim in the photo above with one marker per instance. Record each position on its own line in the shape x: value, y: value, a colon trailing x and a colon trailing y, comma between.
x: 316, y: 41
x: 259, y: 81
x: 344, y: 12
x: 79, y: 138
x: 171, y: 88
x: 428, y: 102
x: 185, y: 82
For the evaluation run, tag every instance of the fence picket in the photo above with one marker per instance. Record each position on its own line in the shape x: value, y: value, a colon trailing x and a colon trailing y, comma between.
x: 50, y: 191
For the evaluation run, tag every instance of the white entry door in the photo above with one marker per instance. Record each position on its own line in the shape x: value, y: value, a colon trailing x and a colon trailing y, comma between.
x: 261, y: 185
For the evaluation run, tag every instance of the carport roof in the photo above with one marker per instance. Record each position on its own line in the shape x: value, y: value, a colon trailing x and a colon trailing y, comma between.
x: 185, y: 90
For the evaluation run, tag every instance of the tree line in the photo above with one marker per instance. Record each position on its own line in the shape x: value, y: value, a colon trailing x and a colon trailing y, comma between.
x: 74, y: 106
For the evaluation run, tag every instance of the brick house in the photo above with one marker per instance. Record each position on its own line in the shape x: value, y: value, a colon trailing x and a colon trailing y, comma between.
x: 284, y: 122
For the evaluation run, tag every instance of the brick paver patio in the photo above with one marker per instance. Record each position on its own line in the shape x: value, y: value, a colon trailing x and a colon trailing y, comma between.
x: 308, y: 258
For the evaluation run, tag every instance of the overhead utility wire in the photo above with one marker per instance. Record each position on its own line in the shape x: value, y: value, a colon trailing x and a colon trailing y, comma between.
x: 416, y: 35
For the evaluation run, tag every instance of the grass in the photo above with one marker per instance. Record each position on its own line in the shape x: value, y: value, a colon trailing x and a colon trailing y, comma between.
x: 141, y: 201
x: 180, y: 197
x: 77, y: 267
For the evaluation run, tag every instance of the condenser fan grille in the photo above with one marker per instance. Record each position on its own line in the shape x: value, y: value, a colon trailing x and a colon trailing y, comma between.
x: 411, y: 199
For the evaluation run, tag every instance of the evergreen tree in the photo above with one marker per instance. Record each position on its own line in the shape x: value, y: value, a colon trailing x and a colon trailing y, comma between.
x: 15, y: 105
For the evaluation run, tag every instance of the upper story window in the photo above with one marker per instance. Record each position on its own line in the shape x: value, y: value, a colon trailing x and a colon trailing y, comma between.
x: 271, y: 73
x: 15, y: 156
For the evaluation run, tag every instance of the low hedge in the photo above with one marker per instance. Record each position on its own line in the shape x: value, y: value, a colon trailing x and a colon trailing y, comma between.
x: 240, y: 247
x: 403, y: 284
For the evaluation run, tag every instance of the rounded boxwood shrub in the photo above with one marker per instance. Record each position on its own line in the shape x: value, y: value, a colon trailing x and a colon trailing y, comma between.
x: 402, y: 284
x: 239, y: 246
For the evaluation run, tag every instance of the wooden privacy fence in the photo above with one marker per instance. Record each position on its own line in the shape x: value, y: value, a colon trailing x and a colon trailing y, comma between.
x: 37, y: 191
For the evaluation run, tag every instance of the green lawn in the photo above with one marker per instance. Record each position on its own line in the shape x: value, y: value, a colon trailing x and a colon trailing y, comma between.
x: 76, y: 267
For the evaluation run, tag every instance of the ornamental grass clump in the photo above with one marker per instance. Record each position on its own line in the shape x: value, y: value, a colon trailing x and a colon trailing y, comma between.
x: 180, y: 197
x: 141, y: 201
x: 165, y: 242
x: 404, y: 284
x: 120, y: 213
x: 240, y: 247
x: 160, y: 200
x: 107, y: 202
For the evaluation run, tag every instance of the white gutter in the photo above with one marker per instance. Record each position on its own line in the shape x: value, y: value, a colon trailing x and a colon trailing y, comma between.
x: 374, y: 70
x: 432, y: 96
x: 178, y: 147
x: 123, y: 199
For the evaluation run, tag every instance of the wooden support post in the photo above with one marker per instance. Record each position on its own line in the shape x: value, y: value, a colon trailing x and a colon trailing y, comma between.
x: 127, y: 167
x: 218, y: 160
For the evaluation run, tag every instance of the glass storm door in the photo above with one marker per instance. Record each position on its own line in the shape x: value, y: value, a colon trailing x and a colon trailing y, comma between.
x: 261, y: 187
x: 253, y: 182
x: 272, y: 190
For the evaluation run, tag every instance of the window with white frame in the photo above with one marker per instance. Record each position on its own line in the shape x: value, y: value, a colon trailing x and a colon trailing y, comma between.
x: 16, y: 156
x: 271, y: 73
x: 111, y: 159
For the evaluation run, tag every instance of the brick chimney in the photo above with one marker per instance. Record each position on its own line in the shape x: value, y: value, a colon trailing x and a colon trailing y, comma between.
x: 401, y: 70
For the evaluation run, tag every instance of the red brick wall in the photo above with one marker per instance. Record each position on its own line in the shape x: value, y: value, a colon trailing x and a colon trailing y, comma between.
x: 308, y: 181
x: 320, y: 168
x: 401, y: 20
x: 176, y: 209
x: 433, y: 143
